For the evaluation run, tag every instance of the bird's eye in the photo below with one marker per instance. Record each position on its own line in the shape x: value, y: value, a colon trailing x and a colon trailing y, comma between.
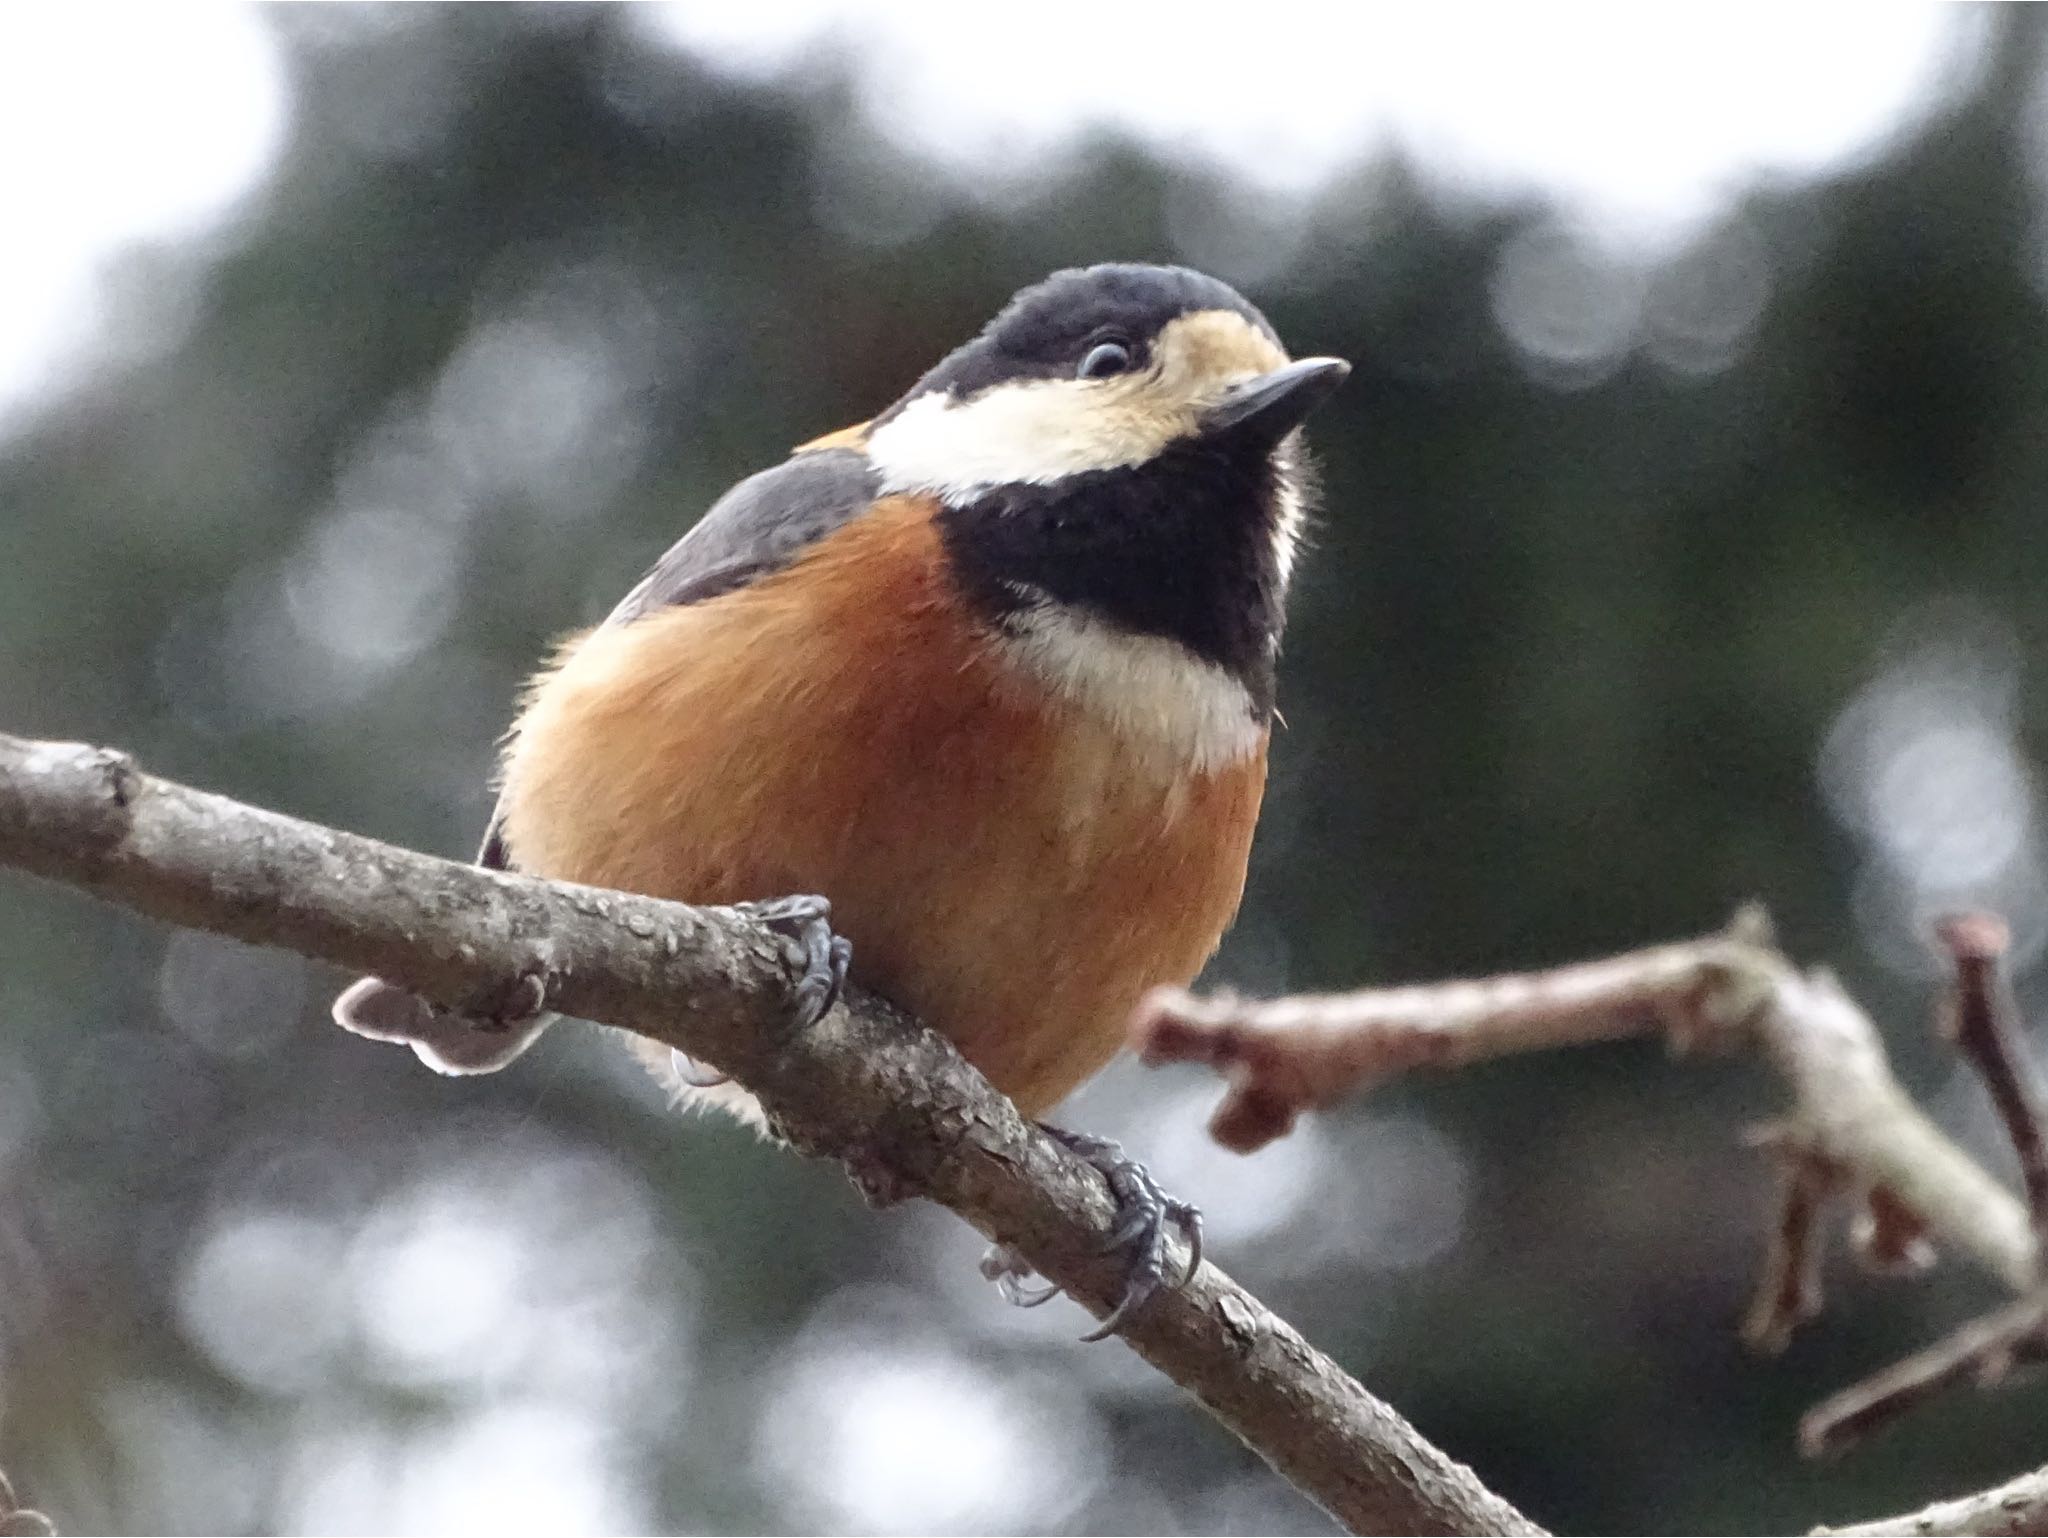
x: 1104, y: 359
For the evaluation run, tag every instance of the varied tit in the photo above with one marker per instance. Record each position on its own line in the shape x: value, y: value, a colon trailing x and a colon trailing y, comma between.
x: 992, y: 672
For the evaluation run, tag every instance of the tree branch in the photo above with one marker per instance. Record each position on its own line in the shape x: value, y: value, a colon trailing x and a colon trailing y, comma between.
x: 1850, y: 1133
x: 1790, y: 1292
x: 1848, y: 1112
x: 2016, y: 1507
x: 1981, y: 1352
x: 1978, y: 1018
x: 889, y: 1099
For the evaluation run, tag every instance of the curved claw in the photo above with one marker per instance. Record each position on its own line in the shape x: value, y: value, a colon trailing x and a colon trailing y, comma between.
x: 1144, y: 1215
x: 839, y: 959
x: 1013, y: 1292
x: 1007, y: 1269
x: 1146, y: 1212
x: 1188, y: 1218
x: 693, y: 1073
x: 1134, y: 1298
x: 507, y: 1005
x: 806, y: 919
x: 1143, y: 1234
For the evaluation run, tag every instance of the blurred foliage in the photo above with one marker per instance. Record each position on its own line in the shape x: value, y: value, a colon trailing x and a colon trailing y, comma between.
x: 1612, y: 554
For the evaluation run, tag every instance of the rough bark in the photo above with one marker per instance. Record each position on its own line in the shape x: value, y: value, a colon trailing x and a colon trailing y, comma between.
x: 867, y: 1086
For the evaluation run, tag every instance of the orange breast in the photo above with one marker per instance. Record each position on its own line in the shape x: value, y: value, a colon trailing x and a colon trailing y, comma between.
x: 1004, y: 866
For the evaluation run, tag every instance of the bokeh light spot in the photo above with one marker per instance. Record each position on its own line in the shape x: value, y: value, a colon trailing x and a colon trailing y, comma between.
x: 83, y: 185
x: 883, y: 1428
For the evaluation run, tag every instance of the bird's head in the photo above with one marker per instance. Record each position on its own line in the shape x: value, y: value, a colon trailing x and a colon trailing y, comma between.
x: 1121, y: 476
x: 1101, y: 369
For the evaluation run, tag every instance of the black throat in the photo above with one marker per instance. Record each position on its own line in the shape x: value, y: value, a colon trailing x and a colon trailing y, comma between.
x: 1180, y: 547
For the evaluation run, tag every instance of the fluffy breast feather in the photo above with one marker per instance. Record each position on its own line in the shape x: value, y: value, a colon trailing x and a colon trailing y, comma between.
x: 1010, y: 861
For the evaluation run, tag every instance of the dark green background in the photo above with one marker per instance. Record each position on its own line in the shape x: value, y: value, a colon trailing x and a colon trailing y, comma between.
x: 1563, y: 661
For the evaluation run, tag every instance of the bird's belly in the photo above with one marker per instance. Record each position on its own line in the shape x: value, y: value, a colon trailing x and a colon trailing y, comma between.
x: 1006, y: 868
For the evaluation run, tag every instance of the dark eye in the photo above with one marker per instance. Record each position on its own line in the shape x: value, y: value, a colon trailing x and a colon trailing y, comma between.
x: 1104, y: 359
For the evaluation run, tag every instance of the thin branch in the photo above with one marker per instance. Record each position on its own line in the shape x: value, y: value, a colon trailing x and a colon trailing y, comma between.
x: 2019, y: 1506
x: 1982, y: 1352
x: 892, y: 1101
x: 1850, y: 1130
x: 1979, y: 1019
x: 1736, y: 989
x: 1789, y: 1293
x: 1285, y: 1056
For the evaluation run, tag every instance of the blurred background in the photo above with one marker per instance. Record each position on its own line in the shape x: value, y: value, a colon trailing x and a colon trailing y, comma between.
x: 1684, y: 544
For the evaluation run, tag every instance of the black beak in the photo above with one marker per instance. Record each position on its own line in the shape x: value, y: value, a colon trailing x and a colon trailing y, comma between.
x: 1274, y: 404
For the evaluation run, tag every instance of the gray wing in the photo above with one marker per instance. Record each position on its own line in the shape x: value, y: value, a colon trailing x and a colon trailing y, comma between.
x: 759, y: 526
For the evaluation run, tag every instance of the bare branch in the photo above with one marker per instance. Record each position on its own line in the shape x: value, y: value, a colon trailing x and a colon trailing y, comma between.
x: 892, y: 1101
x: 1850, y: 1130
x: 1789, y: 1293
x: 1289, y: 1055
x: 1981, y: 1352
x: 1978, y: 1018
x: 2019, y: 1506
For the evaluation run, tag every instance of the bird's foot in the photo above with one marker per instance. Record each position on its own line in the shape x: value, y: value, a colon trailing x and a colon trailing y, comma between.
x: 807, y: 920
x: 1011, y: 1273
x: 511, y: 1004
x: 1144, y: 1216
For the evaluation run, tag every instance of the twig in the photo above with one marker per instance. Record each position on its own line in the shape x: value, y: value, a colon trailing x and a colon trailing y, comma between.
x: 892, y: 1101
x: 1789, y: 1293
x: 1979, y: 1019
x: 1983, y: 1352
x: 2019, y: 1506
x: 1285, y: 1056
x: 1288, y: 1055
x: 1850, y: 1128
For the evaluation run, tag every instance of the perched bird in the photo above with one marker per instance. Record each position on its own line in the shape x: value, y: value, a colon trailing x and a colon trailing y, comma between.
x: 992, y: 672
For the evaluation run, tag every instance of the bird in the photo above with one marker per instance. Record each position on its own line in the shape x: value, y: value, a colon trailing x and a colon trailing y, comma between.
x: 973, y: 698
